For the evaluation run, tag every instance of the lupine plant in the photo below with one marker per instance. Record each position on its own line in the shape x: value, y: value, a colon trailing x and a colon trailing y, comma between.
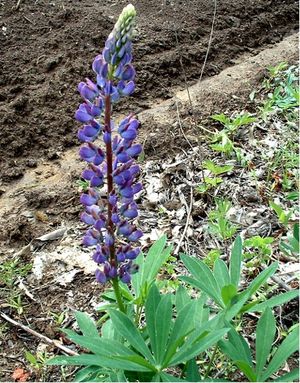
x: 147, y: 334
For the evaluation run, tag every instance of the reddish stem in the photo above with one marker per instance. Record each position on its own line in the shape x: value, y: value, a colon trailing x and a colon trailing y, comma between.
x: 109, y: 162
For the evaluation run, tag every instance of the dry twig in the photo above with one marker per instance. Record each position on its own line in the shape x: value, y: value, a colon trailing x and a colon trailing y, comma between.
x: 189, y: 210
x: 53, y: 342
x: 210, y: 39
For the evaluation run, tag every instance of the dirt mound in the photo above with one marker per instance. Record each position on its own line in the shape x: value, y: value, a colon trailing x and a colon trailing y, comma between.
x: 48, y: 47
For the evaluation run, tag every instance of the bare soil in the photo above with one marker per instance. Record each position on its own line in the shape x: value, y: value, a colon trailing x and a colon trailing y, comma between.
x: 47, y: 49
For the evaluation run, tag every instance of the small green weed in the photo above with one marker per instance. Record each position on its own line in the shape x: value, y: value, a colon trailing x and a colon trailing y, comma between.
x: 258, y: 250
x: 83, y: 185
x: 168, y: 282
x: 283, y: 216
x: 11, y: 269
x: 283, y: 92
x: 211, y: 257
x: 216, y: 170
x: 218, y: 223
x: 231, y: 125
x: 17, y: 304
x: 289, y: 244
x: 223, y: 140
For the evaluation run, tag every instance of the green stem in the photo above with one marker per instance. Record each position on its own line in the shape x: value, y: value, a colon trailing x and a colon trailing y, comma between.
x: 116, y: 287
x: 211, y: 361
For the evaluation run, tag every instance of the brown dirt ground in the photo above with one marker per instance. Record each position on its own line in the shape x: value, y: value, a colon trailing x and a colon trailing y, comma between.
x: 47, y: 48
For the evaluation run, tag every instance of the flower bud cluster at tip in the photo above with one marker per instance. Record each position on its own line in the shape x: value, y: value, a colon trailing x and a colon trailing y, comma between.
x: 115, y: 76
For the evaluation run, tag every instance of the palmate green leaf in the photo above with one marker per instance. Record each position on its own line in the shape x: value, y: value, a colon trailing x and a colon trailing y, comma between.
x: 243, y: 297
x: 265, y: 332
x: 126, y: 328
x: 237, y: 304
x: 182, y: 327
x: 195, y: 348
x: 100, y: 346
x: 293, y: 376
x: 204, y: 288
x: 182, y: 298
x: 246, y: 369
x: 116, y: 376
x: 95, y: 360
x: 88, y: 374
x: 136, y: 359
x: 236, y: 347
x: 192, y: 371
x: 86, y: 324
x: 236, y: 261
x: 227, y: 293
x: 284, y: 351
x: 150, y: 264
x: 165, y: 377
x: 107, y: 330
x: 163, y: 320
x: 204, y: 278
x: 261, y: 278
x: 221, y: 273
x: 216, y: 169
x: 152, y: 302
x: 278, y: 300
x: 221, y: 118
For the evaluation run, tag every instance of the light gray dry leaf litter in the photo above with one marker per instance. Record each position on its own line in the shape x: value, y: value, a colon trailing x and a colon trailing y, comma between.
x: 70, y: 257
x: 53, y: 235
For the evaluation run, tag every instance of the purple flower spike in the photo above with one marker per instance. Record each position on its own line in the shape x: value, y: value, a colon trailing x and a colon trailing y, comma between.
x: 126, y: 278
x: 100, y: 255
x: 135, y: 236
x: 134, y: 150
x: 128, y: 73
x: 91, y: 153
x: 100, y: 276
x: 111, y: 219
x: 89, y: 199
x: 82, y: 114
x: 126, y: 89
x: 87, y: 218
x: 90, y: 239
x: 89, y: 133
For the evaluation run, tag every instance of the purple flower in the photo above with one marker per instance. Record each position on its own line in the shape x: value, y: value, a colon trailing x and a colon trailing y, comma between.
x: 111, y: 163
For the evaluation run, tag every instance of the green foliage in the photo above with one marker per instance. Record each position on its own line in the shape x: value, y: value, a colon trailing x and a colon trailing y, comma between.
x: 283, y: 92
x: 258, y: 250
x: 37, y: 361
x: 169, y: 342
x: 212, y: 182
x: 211, y: 257
x: 153, y: 337
x: 218, y: 223
x: 15, y: 302
x: 223, y: 140
x: 83, y: 185
x: 216, y: 169
x: 222, y: 143
x: 167, y: 282
x: 283, y: 168
x: 283, y: 216
x: 231, y: 125
x: 209, y: 183
x: 268, y: 360
x: 289, y: 245
x: 12, y: 269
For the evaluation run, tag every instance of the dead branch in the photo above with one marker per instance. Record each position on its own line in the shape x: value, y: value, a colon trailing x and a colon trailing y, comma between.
x: 53, y: 342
